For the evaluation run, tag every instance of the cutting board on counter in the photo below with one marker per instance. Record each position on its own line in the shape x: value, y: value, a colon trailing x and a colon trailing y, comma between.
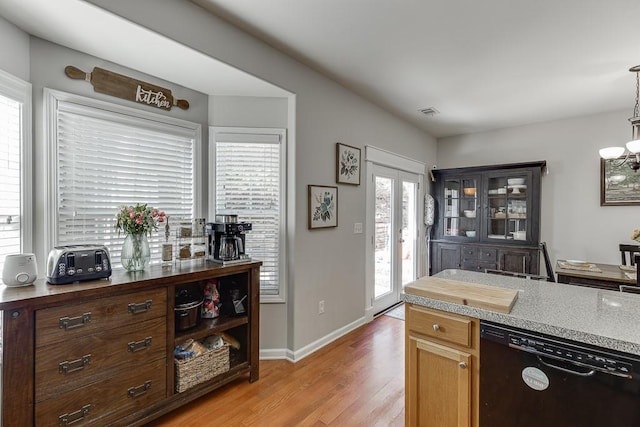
x: 480, y: 296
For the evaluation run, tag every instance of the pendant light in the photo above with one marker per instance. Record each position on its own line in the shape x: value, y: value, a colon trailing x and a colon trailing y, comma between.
x: 633, y: 146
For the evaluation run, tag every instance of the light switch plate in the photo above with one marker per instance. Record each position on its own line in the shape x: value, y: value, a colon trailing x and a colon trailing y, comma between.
x: 357, y: 228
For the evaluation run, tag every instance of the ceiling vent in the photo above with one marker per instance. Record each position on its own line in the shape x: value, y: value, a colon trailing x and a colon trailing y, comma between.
x: 428, y: 111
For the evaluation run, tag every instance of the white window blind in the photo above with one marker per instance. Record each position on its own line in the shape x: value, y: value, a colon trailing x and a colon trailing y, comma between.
x: 15, y: 152
x: 249, y: 173
x: 10, y: 178
x: 109, y: 156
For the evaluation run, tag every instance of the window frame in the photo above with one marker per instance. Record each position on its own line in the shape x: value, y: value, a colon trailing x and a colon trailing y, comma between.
x: 214, y: 132
x: 20, y: 91
x: 51, y: 98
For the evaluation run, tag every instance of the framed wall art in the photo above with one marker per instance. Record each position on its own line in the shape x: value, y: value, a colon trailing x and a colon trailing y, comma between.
x: 323, y: 206
x: 347, y: 164
x: 619, y: 184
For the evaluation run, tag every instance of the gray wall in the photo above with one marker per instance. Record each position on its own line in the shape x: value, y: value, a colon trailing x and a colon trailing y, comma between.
x: 574, y: 225
x: 324, y: 264
x: 245, y: 111
x: 47, y: 70
x: 15, y: 50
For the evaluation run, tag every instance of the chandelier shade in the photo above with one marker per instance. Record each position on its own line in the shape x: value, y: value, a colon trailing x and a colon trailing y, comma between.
x: 632, y: 148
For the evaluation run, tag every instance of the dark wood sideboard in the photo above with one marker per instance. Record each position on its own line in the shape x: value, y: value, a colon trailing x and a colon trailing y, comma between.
x: 101, y: 352
x: 487, y: 217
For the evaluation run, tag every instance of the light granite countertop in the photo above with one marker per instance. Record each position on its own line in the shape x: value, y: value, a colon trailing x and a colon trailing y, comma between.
x: 604, y: 318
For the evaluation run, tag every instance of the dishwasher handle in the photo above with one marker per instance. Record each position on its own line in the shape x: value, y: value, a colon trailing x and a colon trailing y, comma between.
x: 565, y: 370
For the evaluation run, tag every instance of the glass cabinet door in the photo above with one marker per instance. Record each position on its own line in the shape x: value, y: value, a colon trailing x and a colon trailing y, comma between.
x: 508, y: 206
x: 461, y: 207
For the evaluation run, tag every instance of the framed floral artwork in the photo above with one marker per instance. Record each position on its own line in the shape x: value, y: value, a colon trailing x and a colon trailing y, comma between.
x: 347, y: 164
x: 323, y: 206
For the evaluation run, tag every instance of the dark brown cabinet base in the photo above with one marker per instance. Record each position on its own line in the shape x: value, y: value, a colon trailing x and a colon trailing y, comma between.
x: 101, y: 352
x: 479, y: 257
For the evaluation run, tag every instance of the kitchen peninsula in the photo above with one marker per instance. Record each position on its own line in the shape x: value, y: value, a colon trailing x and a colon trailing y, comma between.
x: 446, y: 336
x: 102, y: 351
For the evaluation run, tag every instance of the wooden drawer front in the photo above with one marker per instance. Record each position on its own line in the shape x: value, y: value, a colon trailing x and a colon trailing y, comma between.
x: 470, y: 252
x: 487, y: 255
x: 443, y: 326
x: 68, y: 365
x: 59, y: 324
x: 106, y: 400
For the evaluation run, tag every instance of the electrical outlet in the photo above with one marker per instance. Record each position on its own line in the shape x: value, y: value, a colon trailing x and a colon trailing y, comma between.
x: 357, y: 228
x: 321, y: 307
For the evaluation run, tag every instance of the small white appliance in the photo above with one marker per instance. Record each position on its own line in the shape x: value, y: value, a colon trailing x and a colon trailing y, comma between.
x: 20, y: 270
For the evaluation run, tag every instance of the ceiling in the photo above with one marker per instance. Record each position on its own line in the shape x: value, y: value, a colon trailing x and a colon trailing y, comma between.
x: 67, y: 22
x: 482, y: 64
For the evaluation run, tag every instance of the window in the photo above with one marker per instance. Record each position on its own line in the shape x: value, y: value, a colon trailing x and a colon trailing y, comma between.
x: 15, y: 166
x: 102, y: 156
x: 250, y: 182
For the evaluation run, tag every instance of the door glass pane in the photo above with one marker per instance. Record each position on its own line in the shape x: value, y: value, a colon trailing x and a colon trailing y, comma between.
x: 383, y: 239
x: 452, y: 207
x: 517, y: 207
x: 507, y: 208
x: 409, y: 232
x: 468, y: 208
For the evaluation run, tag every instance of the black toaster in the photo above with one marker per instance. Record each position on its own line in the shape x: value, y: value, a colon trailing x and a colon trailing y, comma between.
x: 74, y: 263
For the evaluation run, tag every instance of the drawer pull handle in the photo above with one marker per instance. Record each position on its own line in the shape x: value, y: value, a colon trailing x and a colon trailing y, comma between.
x: 134, y: 346
x: 67, y: 367
x: 463, y: 365
x: 436, y: 327
x: 137, y: 308
x: 74, y: 417
x: 140, y: 390
x: 67, y: 323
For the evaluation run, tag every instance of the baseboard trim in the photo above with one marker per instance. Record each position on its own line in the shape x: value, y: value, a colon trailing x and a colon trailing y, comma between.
x: 274, y: 354
x: 296, y: 356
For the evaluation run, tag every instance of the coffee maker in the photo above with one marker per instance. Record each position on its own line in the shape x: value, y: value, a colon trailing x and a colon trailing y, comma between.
x: 226, y: 239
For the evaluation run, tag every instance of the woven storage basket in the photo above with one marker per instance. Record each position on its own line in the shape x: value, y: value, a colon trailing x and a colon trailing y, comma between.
x: 190, y: 372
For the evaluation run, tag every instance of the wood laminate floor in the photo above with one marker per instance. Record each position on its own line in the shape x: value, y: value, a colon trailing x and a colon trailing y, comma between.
x: 357, y: 380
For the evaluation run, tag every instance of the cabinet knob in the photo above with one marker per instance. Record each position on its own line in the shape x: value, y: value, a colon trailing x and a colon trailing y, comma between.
x: 463, y: 365
x: 436, y: 327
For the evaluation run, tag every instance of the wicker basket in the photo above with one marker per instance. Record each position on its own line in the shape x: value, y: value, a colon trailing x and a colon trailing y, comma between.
x: 190, y: 372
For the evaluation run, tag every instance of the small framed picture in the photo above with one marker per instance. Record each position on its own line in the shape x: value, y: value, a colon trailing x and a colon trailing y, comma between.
x: 347, y: 164
x: 323, y: 206
x: 619, y: 184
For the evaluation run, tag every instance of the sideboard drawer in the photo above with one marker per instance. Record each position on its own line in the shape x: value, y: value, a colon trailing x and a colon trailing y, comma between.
x: 443, y: 326
x: 487, y: 254
x: 58, y: 324
x: 106, y: 400
x: 67, y: 365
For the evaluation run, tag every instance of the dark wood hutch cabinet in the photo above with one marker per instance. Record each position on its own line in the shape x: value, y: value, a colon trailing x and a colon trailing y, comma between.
x: 101, y: 352
x: 487, y: 217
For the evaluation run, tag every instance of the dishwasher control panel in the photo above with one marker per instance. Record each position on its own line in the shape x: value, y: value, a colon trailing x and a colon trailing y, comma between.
x: 601, y: 360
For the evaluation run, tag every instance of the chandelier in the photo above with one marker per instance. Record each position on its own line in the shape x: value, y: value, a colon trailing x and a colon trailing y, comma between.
x: 633, y: 146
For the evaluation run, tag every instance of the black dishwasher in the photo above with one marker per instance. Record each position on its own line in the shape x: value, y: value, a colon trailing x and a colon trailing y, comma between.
x: 531, y: 379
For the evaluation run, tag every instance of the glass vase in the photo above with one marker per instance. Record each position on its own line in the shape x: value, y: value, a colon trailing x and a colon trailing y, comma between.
x: 135, y: 255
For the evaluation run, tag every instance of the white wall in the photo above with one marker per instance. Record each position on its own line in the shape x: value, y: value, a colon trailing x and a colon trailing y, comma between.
x: 574, y: 225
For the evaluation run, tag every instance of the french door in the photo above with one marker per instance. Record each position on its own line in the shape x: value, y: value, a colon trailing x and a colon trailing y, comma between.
x: 394, y: 204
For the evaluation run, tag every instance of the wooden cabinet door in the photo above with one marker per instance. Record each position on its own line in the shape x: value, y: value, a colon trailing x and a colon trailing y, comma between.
x: 518, y: 261
x: 446, y: 256
x: 438, y: 385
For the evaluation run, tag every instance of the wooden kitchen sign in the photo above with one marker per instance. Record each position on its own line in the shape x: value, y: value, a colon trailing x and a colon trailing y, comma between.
x: 114, y: 84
